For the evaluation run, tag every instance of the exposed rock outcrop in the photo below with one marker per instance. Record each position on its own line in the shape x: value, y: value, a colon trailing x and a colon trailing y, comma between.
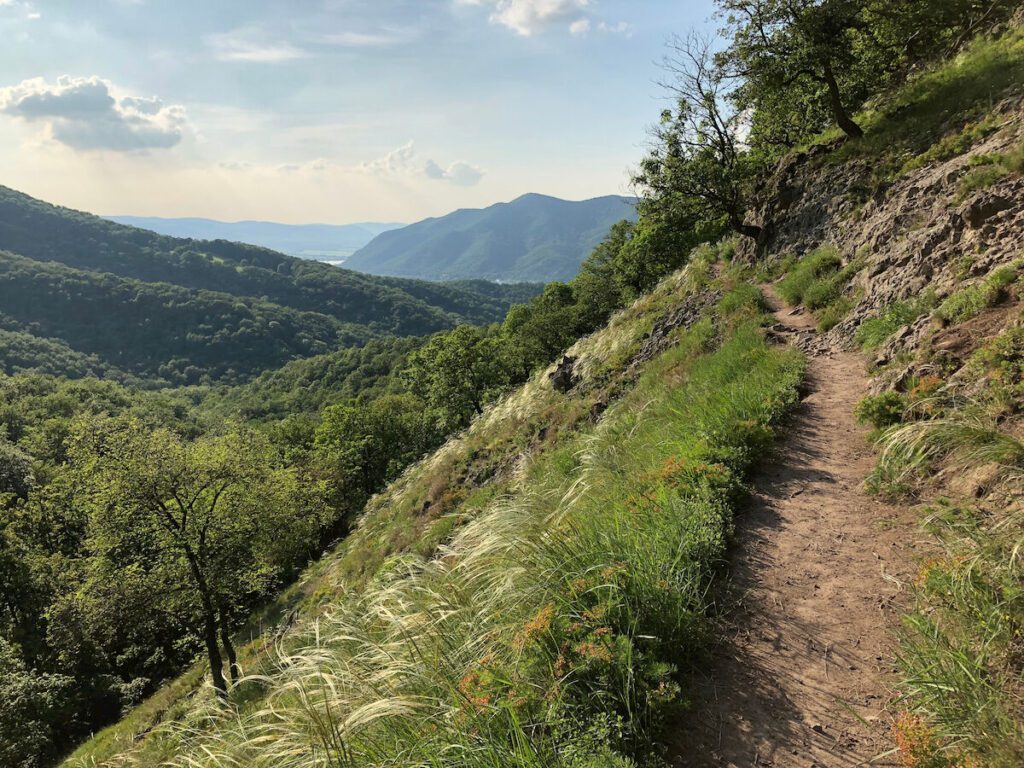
x: 912, y: 236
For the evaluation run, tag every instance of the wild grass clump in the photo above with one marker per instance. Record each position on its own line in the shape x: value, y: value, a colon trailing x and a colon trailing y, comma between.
x: 875, y: 331
x: 962, y: 646
x: 988, y: 170
x: 834, y: 314
x: 819, y: 281
x: 955, y: 144
x: 555, y: 628
x: 1001, y: 361
x: 809, y: 275
x: 970, y: 302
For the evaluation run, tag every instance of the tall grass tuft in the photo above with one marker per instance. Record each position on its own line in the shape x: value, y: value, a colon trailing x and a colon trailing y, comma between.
x: 962, y: 646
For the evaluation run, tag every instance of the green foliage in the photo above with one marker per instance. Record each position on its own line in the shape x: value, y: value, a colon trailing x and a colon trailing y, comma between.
x: 942, y: 101
x: 362, y: 447
x: 37, y: 713
x: 881, y: 411
x: 875, y: 331
x: 308, y: 385
x: 969, y: 302
x: 799, y: 59
x: 990, y: 169
x: 216, y: 514
x: 697, y: 172
x: 83, y: 296
x: 457, y: 373
x: 46, y: 233
x: 813, y: 280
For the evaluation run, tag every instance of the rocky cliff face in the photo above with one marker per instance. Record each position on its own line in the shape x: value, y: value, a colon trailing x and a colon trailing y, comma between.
x: 921, y: 232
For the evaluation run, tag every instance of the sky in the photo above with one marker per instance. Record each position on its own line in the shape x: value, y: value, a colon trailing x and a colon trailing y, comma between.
x: 329, y: 111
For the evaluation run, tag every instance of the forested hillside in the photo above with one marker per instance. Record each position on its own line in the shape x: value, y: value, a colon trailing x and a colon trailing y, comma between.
x: 117, y: 300
x: 534, y: 238
x: 43, y: 232
x: 511, y: 544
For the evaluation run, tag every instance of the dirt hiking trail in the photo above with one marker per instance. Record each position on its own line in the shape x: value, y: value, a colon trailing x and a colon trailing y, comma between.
x: 803, y: 674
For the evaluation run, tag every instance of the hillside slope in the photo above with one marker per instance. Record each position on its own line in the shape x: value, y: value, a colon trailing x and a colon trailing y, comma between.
x: 43, y: 232
x: 668, y: 407
x: 886, y: 626
x: 531, y: 239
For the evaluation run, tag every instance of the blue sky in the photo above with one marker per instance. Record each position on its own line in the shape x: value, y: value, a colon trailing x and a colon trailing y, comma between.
x: 327, y: 110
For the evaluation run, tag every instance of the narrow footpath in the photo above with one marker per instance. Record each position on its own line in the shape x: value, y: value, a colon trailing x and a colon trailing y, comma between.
x: 803, y: 675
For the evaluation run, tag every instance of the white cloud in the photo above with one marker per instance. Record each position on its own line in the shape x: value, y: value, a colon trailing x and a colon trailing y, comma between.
x: 622, y: 28
x: 528, y: 17
x: 458, y: 173
x: 405, y: 161
x: 382, y: 39
x: 27, y: 8
x: 249, y: 46
x: 397, y: 162
x: 579, y: 28
x: 93, y: 114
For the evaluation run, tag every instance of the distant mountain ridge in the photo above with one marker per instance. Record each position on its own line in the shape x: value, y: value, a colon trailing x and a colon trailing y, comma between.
x: 534, y: 238
x: 320, y: 241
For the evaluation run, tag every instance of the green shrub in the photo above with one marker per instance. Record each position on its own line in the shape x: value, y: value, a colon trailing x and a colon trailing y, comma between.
x: 881, y: 411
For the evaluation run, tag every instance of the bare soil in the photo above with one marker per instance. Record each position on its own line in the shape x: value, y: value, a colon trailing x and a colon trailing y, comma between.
x: 803, y: 675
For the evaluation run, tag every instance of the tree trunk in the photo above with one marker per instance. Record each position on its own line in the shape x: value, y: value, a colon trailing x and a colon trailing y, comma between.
x: 212, y: 651
x: 229, y: 648
x: 835, y: 101
x: 209, y: 625
x: 747, y: 230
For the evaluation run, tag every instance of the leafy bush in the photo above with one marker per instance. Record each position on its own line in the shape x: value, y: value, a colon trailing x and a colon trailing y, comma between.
x: 881, y: 411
